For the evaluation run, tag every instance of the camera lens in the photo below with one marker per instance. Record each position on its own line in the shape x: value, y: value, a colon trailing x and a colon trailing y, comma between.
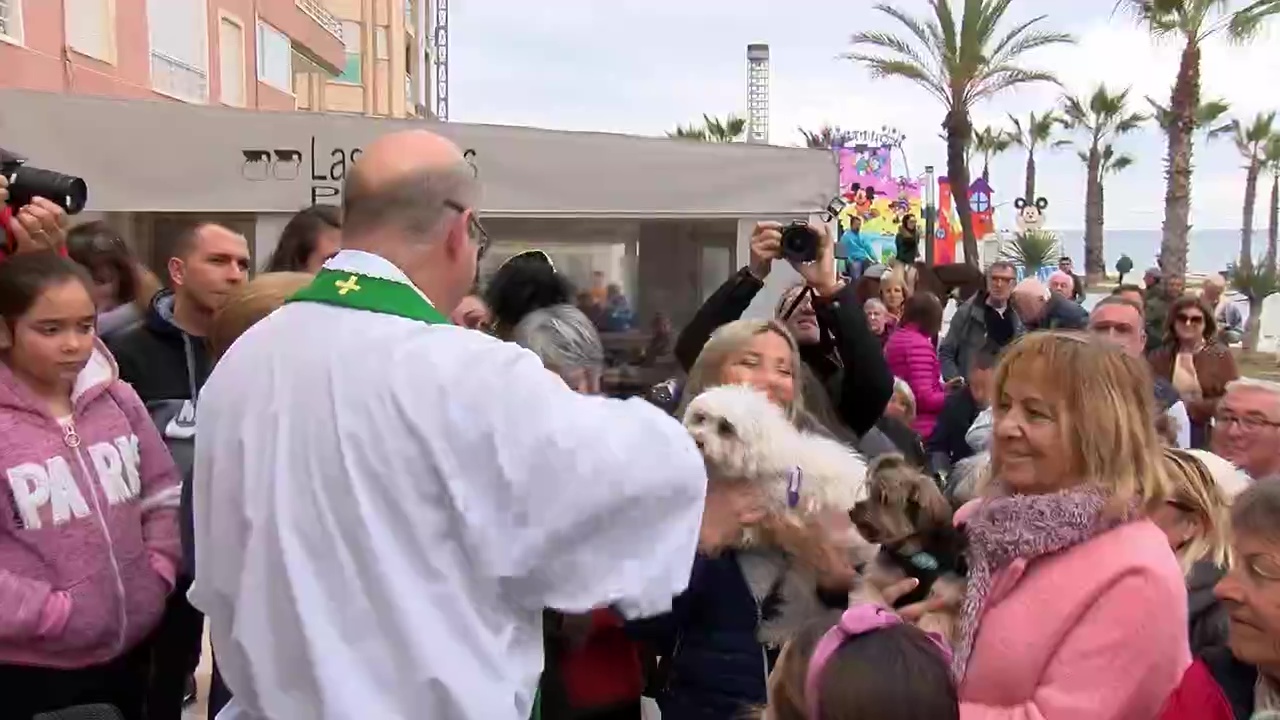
x: 27, y: 183
x: 799, y: 243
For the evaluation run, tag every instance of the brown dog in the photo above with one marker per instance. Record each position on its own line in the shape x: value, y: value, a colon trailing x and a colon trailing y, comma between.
x: 908, y: 516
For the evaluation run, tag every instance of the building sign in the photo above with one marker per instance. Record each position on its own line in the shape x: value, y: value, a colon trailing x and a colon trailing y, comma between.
x: 326, y: 168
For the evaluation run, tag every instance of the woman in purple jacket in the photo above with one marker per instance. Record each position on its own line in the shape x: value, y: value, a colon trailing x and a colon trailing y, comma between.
x: 911, y: 355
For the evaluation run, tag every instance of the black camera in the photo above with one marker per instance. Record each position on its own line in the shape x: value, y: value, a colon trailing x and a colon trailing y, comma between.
x: 27, y: 183
x: 800, y: 241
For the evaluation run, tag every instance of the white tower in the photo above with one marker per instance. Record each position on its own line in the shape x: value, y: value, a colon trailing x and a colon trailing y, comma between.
x: 441, y: 42
x: 758, y: 93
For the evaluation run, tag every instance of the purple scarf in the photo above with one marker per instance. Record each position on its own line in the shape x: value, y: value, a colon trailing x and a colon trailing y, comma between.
x: 1012, y: 527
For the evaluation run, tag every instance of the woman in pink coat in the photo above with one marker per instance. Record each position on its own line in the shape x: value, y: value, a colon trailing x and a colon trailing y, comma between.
x: 1075, y: 606
x: 911, y: 355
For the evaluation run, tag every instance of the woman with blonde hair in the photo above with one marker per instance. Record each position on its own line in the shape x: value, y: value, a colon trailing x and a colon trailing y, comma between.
x: 893, y: 293
x: 1062, y: 556
x: 713, y: 660
x: 1195, y: 518
x: 254, y: 301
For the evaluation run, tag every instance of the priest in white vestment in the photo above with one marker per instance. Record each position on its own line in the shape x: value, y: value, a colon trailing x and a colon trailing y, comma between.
x: 384, y: 502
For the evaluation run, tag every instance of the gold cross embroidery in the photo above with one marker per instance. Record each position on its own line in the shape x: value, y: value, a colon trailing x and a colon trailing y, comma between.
x: 348, y: 285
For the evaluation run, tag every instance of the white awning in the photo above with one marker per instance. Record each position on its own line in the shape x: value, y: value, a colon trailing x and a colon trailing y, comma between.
x: 140, y: 155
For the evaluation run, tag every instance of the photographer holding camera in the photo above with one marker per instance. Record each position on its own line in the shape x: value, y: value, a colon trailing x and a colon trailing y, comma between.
x: 836, y: 343
x: 38, y: 225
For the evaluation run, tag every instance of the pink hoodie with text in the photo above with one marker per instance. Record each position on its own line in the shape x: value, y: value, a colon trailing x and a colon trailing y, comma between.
x: 88, y: 522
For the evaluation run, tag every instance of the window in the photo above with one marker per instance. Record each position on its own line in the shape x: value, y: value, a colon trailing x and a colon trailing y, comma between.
x: 275, y: 58
x: 351, y: 36
x: 231, y: 62
x: 179, y: 35
x: 11, y: 19
x: 90, y: 28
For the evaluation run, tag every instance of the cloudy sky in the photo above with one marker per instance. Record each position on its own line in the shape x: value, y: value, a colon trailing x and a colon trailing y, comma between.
x: 643, y: 66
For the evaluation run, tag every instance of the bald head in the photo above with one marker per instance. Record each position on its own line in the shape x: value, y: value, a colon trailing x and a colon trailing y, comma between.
x: 406, y: 183
x: 1029, y: 300
x: 1032, y: 288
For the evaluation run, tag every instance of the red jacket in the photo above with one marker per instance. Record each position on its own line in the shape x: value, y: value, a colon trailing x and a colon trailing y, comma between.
x: 1197, y: 697
x: 606, y: 670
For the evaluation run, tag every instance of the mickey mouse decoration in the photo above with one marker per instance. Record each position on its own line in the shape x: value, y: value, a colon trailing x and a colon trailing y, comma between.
x: 1030, y: 215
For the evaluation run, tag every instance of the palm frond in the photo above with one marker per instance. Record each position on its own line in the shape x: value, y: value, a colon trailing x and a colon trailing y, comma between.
x: 1000, y: 79
x: 1032, y: 249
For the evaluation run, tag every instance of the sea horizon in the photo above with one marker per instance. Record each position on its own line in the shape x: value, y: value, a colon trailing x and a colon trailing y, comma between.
x: 1209, y: 250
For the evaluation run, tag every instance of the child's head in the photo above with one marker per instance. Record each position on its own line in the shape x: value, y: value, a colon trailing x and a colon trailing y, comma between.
x: 49, y: 318
x: 868, y: 666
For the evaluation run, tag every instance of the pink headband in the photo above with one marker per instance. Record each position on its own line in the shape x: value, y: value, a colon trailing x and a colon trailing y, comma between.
x: 857, y: 620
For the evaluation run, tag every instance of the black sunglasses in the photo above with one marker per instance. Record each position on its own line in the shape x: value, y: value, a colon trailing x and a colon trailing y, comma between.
x: 478, y: 234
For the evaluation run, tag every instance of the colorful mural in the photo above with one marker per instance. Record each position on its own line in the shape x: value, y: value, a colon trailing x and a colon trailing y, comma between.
x: 867, y: 183
x: 874, y: 194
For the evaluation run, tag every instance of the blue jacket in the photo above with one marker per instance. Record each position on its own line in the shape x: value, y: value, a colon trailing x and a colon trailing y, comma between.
x: 713, y: 666
x: 853, y: 246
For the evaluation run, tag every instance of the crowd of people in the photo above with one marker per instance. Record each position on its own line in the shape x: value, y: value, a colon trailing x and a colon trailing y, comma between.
x: 387, y: 492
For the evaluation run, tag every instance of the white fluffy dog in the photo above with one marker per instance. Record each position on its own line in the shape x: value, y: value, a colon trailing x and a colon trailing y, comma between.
x: 745, y: 437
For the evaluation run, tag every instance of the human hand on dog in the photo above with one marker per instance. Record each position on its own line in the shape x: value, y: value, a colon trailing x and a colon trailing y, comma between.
x: 729, y: 507
x: 935, y: 613
x: 820, y: 546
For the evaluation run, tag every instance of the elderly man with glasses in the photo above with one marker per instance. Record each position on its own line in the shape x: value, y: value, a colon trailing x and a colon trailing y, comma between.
x: 986, y: 322
x: 1246, y: 427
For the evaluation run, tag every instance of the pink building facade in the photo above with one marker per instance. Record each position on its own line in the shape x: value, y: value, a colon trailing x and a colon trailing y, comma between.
x: 238, y: 53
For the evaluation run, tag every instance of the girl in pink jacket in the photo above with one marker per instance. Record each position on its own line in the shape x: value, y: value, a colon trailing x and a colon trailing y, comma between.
x: 1075, y: 607
x: 911, y: 355
x: 88, y: 512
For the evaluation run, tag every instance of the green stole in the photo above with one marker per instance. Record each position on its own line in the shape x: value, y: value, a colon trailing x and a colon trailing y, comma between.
x: 372, y: 294
x: 364, y: 292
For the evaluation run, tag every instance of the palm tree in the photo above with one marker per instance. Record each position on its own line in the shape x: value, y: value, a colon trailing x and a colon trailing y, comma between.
x: 1101, y: 117
x: 1032, y: 250
x: 1035, y: 134
x: 713, y: 129
x: 960, y: 61
x: 989, y: 142
x: 1204, y: 118
x: 1271, y: 161
x: 730, y: 129
x: 1194, y: 21
x: 1251, y: 141
x: 690, y: 132
x: 827, y: 136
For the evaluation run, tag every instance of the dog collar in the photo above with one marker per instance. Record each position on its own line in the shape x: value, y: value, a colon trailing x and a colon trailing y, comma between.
x: 794, y: 479
x: 924, y: 561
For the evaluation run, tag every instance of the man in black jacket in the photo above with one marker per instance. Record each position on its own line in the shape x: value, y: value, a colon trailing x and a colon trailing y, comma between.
x: 165, y: 360
x: 947, y: 445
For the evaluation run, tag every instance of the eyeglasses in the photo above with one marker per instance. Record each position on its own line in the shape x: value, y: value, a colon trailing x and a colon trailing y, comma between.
x: 1259, y: 567
x: 1250, y: 423
x: 1001, y: 280
x: 478, y: 235
x: 1191, y: 319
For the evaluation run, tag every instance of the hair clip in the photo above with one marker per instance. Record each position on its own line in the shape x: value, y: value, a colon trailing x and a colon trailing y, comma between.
x: 857, y: 620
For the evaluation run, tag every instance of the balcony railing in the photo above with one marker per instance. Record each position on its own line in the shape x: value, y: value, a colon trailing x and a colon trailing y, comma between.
x: 316, y: 11
x: 170, y: 76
